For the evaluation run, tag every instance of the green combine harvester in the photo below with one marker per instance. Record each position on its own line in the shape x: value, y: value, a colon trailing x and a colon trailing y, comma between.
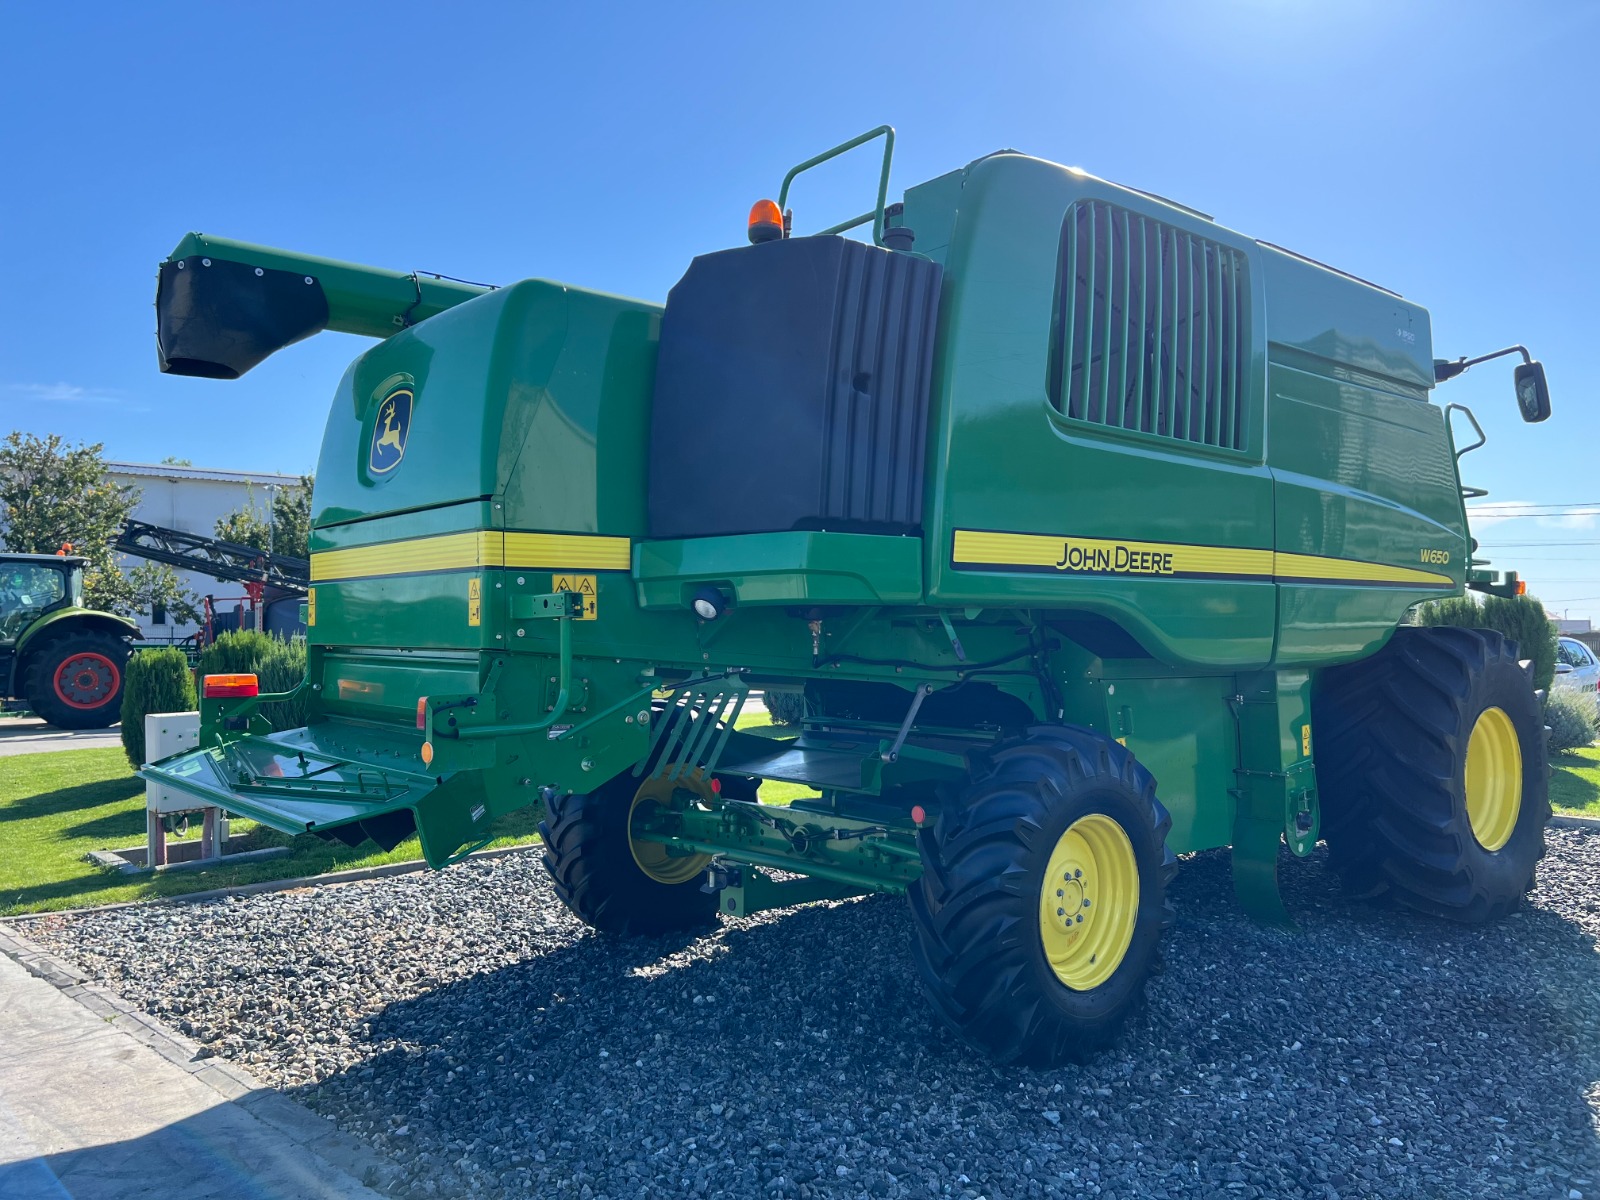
x: 1085, y: 526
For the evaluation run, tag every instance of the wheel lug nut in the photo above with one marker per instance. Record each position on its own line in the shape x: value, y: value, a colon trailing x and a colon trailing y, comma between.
x: 1059, y: 892
x: 1087, y: 902
x: 1080, y: 918
x: 1077, y: 874
x: 1061, y: 912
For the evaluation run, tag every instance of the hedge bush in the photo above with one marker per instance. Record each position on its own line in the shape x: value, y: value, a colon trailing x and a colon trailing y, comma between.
x: 785, y: 708
x: 154, y: 681
x: 1521, y: 619
x: 1572, y: 719
x: 279, y: 666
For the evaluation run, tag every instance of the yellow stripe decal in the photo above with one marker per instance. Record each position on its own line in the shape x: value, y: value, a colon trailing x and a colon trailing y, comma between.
x: 568, y: 550
x: 1344, y: 570
x: 1116, y: 556
x: 1107, y: 555
x: 448, y: 552
x: 470, y: 551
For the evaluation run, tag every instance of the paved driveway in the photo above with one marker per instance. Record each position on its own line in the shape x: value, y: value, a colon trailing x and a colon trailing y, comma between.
x: 29, y: 735
x: 88, y: 1113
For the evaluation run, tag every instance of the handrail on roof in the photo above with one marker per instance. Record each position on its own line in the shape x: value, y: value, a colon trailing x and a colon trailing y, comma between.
x: 876, y: 215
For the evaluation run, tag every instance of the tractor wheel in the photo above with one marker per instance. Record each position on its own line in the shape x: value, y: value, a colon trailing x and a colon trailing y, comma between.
x: 618, y: 885
x: 1043, y: 897
x: 75, y: 682
x: 1433, y: 775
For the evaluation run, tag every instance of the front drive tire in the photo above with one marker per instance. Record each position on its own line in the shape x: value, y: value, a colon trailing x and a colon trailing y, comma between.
x: 1433, y: 773
x: 1011, y: 949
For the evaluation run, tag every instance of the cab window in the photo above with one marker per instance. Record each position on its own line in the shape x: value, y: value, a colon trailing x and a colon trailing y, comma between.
x: 26, y: 592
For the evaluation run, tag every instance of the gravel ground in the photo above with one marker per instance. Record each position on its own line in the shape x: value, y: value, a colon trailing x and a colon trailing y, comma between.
x: 466, y: 1026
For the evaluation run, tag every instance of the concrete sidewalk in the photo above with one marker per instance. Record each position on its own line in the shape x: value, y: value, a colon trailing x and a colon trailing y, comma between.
x: 29, y: 735
x: 100, y: 1103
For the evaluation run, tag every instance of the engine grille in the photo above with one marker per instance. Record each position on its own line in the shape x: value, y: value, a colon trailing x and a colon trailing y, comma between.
x: 1150, y: 328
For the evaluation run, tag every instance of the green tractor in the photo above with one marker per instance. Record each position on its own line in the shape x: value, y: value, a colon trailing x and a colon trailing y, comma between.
x: 1083, y: 529
x: 61, y: 661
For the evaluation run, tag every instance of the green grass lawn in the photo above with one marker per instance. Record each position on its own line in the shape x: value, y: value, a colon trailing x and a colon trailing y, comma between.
x: 1575, y: 782
x: 56, y: 807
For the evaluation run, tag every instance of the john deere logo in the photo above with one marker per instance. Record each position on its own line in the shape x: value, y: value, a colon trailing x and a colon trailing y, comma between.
x: 389, y: 432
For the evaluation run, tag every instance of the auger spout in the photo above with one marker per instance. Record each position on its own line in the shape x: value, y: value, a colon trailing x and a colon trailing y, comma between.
x: 222, y: 306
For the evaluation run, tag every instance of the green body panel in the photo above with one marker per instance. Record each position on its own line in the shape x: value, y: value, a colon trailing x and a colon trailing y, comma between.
x: 782, y: 568
x: 456, y: 579
x: 1005, y: 461
x: 1182, y: 729
x: 1342, y: 457
x: 1364, y: 468
x: 57, y: 620
x: 1276, y: 792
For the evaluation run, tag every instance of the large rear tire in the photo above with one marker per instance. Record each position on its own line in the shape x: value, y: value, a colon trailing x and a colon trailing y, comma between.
x: 1433, y: 773
x: 75, y: 680
x: 1043, y: 897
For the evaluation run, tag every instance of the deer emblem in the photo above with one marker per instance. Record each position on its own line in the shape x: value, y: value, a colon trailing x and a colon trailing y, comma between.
x: 391, y: 431
x: 389, y: 434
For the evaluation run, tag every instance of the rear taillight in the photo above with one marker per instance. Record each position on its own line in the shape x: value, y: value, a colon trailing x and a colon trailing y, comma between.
x: 218, y: 687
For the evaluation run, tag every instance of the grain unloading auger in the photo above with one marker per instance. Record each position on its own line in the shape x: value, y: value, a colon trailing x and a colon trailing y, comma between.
x: 1086, y: 525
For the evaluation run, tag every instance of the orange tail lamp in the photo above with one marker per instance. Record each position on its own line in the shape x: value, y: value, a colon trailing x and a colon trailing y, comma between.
x: 225, y: 687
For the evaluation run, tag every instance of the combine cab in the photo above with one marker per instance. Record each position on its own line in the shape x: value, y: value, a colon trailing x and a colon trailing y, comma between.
x: 1084, y: 526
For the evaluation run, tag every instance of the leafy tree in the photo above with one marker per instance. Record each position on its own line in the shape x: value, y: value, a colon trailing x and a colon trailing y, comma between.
x: 286, y: 530
x: 157, y: 584
x: 291, y: 519
x: 1521, y: 619
x: 53, y: 495
x: 246, y: 526
x: 172, y: 460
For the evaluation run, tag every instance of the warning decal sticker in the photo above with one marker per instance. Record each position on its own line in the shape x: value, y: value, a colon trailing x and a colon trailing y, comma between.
x: 584, y: 585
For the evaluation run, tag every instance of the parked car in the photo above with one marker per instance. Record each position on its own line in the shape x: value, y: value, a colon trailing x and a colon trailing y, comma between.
x: 1577, y: 668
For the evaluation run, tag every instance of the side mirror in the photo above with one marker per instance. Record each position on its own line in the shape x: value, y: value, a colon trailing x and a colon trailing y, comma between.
x: 1563, y: 668
x: 1533, y: 393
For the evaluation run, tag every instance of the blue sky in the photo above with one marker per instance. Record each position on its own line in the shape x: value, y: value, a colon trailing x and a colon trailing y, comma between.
x: 1446, y: 150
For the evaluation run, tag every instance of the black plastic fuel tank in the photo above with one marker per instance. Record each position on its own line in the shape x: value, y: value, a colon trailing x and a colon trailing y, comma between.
x: 792, y: 391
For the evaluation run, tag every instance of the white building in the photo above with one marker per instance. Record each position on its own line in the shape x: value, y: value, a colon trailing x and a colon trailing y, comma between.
x: 193, y: 499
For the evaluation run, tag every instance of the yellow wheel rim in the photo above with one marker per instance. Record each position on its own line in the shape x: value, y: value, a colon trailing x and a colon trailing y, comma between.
x: 1089, y: 902
x: 1494, y: 778
x: 653, y: 858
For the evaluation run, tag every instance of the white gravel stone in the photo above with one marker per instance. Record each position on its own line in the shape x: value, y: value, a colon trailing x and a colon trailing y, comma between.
x: 465, y: 1025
